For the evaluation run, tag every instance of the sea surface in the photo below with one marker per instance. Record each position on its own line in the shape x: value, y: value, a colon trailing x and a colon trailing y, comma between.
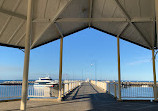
x: 14, y: 91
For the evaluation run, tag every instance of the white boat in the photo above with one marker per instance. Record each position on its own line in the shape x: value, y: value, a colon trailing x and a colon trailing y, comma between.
x: 45, y: 82
x: 145, y: 86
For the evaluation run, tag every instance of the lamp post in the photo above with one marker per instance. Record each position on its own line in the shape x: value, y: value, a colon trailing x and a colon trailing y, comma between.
x: 95, y: 71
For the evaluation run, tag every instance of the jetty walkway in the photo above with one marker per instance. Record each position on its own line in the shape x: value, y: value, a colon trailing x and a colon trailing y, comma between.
x: 86, y: 97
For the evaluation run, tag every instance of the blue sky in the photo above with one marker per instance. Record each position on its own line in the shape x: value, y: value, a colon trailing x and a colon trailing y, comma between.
x: 80, y: 50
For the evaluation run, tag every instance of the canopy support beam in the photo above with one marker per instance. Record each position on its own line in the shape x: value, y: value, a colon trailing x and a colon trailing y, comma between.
x: 18, y: 28
x: 118, y: 57
x: 119, y: 72
x: 156, y: 23
x: 60, y: 65
x: 90, y: 11
x: 154, y: 75
x: 52, y: 22
x: 137, y: 19
x: 21, y: 38
x: 129, y: 19
x: 27, y: 56
x: 13, y: 14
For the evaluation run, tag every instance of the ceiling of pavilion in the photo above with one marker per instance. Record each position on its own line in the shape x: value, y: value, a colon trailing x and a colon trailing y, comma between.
x: 131, y: 20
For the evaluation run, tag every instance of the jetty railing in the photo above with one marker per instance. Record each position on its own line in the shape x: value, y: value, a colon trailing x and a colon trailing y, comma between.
x: 137, y: 91
x: 14, y: 91
x: 128, y: 91
x: 102, y: 85
x: 68, y: 86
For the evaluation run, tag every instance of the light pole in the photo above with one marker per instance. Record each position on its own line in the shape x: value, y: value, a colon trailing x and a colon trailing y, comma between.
x: 95, y: 70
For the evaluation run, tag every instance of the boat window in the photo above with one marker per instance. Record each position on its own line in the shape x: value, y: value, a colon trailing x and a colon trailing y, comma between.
x: 46, y: 79
x: 43, y: 82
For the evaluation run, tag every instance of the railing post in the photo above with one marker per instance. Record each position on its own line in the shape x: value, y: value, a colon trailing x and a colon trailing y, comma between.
x: 115, y: 95
x: 63, y: 89
x: 105, y: 86
x: 27, y: 56
x: 119, y: 72
x: 72, y: 85
x: 109, y: 88
x: 67, y: 87
x: 154, y: 75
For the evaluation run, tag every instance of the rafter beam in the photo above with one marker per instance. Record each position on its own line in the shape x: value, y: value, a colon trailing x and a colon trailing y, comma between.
x: 57, y: 27
x: 156, y: 23
x: 21, y: 38
x: 104, y: 20
x: 90, y: 11
x: 134, y: 26
x: 13, y: 14
x: 18, y: 28
x: 9, y: 18
x: 52, y: 22
x: 37, y: 20
x: 123, y: 29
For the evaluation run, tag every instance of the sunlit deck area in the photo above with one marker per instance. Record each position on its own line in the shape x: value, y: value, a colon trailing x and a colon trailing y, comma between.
x: 85, y: 97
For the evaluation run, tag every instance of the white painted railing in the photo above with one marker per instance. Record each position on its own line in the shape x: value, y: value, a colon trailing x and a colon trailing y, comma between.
x: 14, y: 91
x: 137, y: 92
x: 102, y: 85
x: 132, y: 91
x: 38, y: 91
x: 69, y: 86
x: 112, y: 88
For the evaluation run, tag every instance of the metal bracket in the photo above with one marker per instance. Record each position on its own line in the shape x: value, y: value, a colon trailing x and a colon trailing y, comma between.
x: 22, y: 50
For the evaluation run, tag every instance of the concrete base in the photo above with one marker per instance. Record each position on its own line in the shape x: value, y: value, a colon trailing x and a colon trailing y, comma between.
x: 44, y: 99
x: 119, y: 100
x: 10, y: 100
x: 136, y: 100
x: 59, y: 99
x: 155, y: 100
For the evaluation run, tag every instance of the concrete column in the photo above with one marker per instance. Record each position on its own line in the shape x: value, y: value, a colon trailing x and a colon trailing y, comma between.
x: 60, y: 68
x: 154, y: 75
x: 119, y: 72
x: 27, y: 56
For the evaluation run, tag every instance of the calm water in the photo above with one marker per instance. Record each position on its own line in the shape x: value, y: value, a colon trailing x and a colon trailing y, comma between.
x: 14, y: 91
x: 135, y: 92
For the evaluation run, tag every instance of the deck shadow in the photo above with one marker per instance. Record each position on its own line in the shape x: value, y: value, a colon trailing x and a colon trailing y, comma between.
x: 106, y: 102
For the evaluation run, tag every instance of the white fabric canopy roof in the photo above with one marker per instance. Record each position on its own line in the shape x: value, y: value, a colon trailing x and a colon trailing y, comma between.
x: 131, y: 20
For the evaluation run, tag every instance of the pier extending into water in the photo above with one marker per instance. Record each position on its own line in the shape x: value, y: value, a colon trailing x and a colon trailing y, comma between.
x: 23, y: 27
x: 87, y: 97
